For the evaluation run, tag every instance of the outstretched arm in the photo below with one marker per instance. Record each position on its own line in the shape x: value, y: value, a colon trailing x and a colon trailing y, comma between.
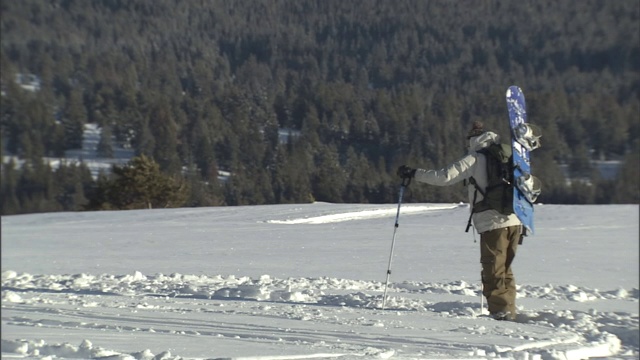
x: 450, y: 174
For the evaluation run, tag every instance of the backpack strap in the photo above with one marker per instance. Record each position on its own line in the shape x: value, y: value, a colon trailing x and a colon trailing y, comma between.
x: 477, y: 190
x: 475, y: 197
x: 475, y: 193
x: 473, y: 182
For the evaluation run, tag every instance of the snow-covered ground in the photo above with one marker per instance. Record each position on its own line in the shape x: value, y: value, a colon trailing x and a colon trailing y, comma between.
x: 306, y: 281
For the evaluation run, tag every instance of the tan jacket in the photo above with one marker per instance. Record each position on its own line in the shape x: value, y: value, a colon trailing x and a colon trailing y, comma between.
x: 473, y: 164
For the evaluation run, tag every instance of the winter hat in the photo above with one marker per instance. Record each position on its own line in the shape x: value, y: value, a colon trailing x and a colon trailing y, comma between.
x: 476, y: 129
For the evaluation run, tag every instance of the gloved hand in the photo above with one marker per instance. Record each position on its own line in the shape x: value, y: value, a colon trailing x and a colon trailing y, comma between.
x: 405, y: 172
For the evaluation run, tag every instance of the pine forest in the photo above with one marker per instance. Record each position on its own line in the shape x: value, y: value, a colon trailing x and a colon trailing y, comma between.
x: 228, y: 102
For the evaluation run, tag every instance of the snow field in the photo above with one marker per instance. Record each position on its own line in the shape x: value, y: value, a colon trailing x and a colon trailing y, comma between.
x: 306, y: 281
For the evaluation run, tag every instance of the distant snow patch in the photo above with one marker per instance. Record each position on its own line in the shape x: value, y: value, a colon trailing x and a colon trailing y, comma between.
x: 360, y: 215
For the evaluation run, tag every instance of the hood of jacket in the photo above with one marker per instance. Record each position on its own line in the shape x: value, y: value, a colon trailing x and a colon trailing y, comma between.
x: 483, y: 140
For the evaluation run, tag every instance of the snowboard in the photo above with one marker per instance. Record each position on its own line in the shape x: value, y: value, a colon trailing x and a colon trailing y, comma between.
x: 522, y: 203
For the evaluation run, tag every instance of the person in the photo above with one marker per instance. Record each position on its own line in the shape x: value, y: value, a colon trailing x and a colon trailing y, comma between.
x: 500, y: 233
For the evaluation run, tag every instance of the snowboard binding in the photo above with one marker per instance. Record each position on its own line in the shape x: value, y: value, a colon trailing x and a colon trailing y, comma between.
x: 530, y: 186
x: 528, y: 135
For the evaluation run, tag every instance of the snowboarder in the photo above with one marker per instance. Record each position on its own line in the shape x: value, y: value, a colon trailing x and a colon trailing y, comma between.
x: 500, y: 229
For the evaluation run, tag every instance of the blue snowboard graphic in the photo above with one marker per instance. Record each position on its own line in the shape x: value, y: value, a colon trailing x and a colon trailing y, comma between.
x: 517, y: 115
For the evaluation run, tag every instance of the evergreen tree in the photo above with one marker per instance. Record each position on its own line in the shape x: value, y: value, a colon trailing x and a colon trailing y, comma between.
x: 98, y: 195
x: 105, y: 148
x: 138, y: 185
x: 35, y: 188
x: 70, y: 182
x: 8, y: 199
x: 329, y: 179
x: 204, y: 192
x: 74, y: 118
x: 165, y: 133
x: 626, y: 189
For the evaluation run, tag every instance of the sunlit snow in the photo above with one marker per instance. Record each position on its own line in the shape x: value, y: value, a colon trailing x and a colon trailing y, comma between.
x: 306, y: 282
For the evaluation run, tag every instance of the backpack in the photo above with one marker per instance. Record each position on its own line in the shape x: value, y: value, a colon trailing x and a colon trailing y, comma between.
x: 499, y: 192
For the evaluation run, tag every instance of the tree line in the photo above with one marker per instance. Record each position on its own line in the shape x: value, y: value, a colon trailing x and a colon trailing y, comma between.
x: 201, y: 86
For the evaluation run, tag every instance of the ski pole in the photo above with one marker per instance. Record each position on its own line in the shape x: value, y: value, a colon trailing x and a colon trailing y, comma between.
x: 481, y: 295
x: 404, y: 184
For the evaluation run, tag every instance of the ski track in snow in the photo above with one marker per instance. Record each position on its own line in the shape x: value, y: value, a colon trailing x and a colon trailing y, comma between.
x: 75, y: 302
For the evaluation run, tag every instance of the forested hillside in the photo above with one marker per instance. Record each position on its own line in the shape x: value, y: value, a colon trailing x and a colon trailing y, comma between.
x: 203, y: 86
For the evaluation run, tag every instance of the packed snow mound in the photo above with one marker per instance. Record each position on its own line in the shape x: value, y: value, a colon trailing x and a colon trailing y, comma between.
x: 85, y: 350
x: 301, y: 290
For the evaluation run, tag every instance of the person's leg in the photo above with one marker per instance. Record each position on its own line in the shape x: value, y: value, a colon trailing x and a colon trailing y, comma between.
x: 513, y: 234
x: 499, y: 287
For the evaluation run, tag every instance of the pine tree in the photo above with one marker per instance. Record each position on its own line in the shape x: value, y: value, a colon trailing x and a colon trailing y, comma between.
x: 70, y: 181
x: 165, y: 132
x: 98, y: 194
x: 329, y: 179
x: 140, y: 184
x: 74, y: 118
x: 8, y: 199
x: 626, y: 186
x: 105, y: 148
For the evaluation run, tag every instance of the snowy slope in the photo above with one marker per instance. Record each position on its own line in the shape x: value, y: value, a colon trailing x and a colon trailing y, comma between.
x: 306, y: 281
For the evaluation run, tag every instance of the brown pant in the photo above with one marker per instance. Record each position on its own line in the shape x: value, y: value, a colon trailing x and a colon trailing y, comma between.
x: 497, y: 250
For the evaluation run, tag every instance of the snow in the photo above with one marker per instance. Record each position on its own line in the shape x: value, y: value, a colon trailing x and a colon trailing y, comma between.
x: 306, y: 282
